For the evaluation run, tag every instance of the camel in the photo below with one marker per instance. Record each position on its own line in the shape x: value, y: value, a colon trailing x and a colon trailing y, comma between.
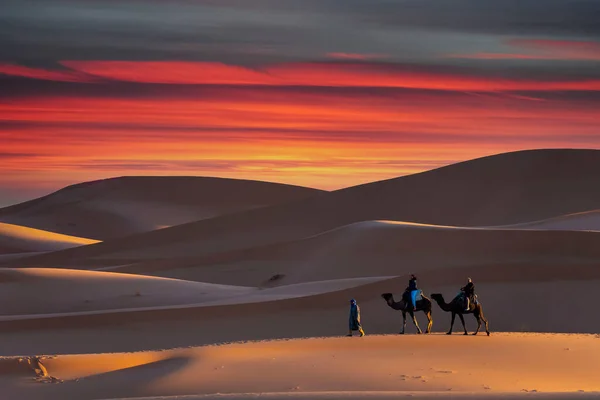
x: 457, y: 306
x: 422, y: 305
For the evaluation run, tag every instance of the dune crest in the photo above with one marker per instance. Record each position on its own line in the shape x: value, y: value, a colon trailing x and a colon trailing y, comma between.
x: 584, y: 221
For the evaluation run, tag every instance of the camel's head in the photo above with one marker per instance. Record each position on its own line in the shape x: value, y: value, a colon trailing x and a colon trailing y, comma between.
x: 387, y: 297
x: 437, y: 296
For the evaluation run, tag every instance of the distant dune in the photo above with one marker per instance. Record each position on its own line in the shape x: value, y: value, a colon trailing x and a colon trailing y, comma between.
x: 505, y: 189
x: 46, y: 290
x: 121, y: 206
x: 28, y: 292
x: 20, y: 239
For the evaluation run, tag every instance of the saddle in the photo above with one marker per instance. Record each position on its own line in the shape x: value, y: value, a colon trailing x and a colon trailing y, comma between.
x: 462, y: 297
x: 406, y: 295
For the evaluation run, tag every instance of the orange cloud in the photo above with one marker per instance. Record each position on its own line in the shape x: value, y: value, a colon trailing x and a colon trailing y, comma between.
x: 318, y: 139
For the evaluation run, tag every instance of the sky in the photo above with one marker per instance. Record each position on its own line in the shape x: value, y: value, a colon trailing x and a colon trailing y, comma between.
x: 321, y: 93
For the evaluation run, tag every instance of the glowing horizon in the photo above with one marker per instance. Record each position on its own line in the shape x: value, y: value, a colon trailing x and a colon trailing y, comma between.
x: 252, y: 91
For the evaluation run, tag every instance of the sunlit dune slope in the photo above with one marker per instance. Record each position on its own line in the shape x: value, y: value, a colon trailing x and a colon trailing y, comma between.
x: 498, y: 190
x: 122, y: 206
x: 406, y: 366
x: 21, y: 239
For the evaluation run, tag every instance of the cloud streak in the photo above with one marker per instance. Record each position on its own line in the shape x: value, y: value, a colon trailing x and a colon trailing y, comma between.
x: 543, y: 49
x: 344, y: 74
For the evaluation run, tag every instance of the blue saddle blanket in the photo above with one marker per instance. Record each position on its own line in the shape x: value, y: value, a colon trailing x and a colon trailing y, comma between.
x: 418, y: 298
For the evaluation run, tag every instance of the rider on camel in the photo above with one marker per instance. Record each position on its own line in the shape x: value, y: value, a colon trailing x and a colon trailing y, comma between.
x: 469, y: 292
x: 412, y: 289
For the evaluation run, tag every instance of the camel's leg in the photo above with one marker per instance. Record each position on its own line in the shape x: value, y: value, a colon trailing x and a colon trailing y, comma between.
x: 485, y: 321
x: 451, y: 323
x: 412, y: 314
x: 476, y: 314
x: 429, y: 321
x: 462, y: 319
x: 403, y: 322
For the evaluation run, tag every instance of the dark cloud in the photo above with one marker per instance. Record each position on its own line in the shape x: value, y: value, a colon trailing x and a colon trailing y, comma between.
x: 258, y: 31
x: 504, y: 17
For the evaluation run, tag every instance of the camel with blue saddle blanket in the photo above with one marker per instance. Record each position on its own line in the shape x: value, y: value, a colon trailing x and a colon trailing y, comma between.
x: 421, y: 302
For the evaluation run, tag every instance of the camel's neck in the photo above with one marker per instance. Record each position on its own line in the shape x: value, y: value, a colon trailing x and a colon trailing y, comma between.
x: 396, y: 305
x: 442, y: 303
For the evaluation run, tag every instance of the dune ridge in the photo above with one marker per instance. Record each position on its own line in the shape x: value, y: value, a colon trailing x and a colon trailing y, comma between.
x: 583, y: 221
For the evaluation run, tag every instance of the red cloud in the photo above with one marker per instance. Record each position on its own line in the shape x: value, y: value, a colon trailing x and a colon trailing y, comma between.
x: 310, y: 74
x: 39, y: 73
x: 294, y: 74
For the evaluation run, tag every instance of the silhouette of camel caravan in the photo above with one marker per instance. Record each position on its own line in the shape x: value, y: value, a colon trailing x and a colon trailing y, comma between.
x: 456, y: 307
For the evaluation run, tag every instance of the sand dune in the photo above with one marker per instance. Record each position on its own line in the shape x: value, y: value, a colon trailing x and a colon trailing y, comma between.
x: 499, y: 190
x: 512, y: 302
x: 386, y: 248
x: 407, y: 366
x: 30, y: 293
x: 20, y: 239
x: 585, y: 221
x: 122, y: 206
x: 46, y: 290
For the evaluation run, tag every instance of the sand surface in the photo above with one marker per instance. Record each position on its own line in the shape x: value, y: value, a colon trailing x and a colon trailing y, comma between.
x: 247, y: 296
x: 412, y: 364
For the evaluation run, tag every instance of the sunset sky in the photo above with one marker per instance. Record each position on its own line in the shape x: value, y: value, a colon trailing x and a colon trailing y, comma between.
x: 322, y: 93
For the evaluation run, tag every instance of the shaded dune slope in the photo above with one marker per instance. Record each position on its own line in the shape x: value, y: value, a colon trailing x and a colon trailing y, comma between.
x: 383, y: 248
x: 123, y: 206
x: 498, y: 190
